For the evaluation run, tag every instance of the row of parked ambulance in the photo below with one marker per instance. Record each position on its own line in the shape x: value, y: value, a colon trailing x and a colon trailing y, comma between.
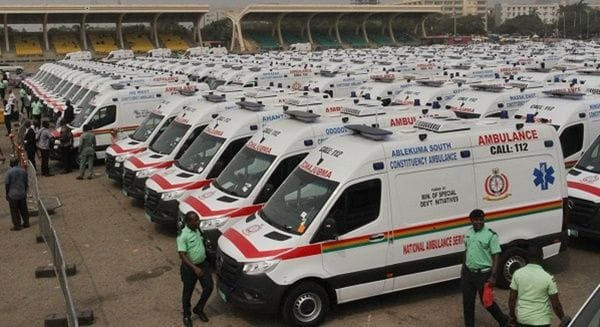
x: 340, y: 175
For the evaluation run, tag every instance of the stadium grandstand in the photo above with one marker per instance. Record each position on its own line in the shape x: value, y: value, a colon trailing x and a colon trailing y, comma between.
x: 104, y: 28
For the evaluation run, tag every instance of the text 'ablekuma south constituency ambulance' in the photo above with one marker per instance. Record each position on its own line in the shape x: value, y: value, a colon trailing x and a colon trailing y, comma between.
x: 381, y: 211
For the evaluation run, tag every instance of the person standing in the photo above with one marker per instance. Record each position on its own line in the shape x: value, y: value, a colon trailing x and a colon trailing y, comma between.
x: 87, y: 152
x: 66, y: 147
x: 532, y: 291
x: 16, y: 184
x: 36, y: 109
x: 29, y: 142
x: 22, y: 95
x: 43, y: 143
x: 27, y: 105
x: 69, y: 113
x: 194, y: 267
x: 8, y: 117
x: 480, y: 266
x: 2, y: 89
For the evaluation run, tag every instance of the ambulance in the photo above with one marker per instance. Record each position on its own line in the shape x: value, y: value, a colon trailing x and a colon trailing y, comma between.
x: 381, y: 86
x: 252, y: 176
x: 434, y: 93
x: 117, y: 55
x: 575, y: 114
x: 583, y: 182
x: 210, y: 153
x: 114, y: 114
x: 182, y: 133
x: 387, y: 209
x: 490, y: 98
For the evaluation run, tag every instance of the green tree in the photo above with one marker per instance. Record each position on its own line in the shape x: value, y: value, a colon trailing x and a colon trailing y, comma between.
x: 523, y: 25
x: 219, y: 30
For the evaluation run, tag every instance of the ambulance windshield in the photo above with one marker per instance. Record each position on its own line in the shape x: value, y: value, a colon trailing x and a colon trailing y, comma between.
x: 243, y: 172
x: 82, y: 116
x: 297, y: 201
x: 169, y: 139
x: 199, y: 154
x: 591, y: 159
x: 146, y: 128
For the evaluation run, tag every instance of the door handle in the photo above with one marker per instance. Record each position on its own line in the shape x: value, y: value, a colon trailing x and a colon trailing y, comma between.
x: 376, y: 237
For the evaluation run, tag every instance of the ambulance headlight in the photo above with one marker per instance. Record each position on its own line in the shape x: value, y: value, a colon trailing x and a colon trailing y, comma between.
x: 145, y: 173
x: 213, y: 223
x: 261, y: 267
x: 173, y: 195
x: 123, y: 157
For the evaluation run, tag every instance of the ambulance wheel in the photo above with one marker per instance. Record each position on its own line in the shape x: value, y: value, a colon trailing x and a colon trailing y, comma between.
x: 513, y: 259
x: 305, y: 305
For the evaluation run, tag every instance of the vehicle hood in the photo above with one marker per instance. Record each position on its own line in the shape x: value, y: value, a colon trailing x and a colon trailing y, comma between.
x: 584, y: 186
x: 174, y: 178
x: 148, y: 159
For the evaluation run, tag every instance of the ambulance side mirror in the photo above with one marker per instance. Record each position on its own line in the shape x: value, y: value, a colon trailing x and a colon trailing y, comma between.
x: 329, y: 230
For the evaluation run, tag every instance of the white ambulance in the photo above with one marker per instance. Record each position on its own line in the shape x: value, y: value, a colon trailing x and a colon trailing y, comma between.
x: 381, y: 211
x: 180, y: 135
x: 114, y: 114
x: 492, y: 98
x: 252, y: 176
x: 575, y: 114
x: 583, y: 182
x: 210, y: 153
x: 434, y: 93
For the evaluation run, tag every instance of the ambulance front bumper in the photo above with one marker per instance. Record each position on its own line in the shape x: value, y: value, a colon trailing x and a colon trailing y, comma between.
x: 584, y: 218
x: 254, y: 292
x: 112, y: 170
x: 133, y: 186
x: 159, y: 211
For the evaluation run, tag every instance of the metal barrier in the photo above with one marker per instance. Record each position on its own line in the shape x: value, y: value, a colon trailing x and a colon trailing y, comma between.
x: 51, y: 239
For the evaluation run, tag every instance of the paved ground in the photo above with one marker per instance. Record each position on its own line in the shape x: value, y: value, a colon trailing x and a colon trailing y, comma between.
x: 128, y: 271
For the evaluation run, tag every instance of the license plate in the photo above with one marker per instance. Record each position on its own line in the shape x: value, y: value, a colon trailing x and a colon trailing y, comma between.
x: 572, y: 232
x: 117, y: 164
x: 222, y: 295
x: 147, y: 216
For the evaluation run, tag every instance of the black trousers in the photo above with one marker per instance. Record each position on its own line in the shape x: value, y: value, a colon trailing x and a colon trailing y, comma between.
x: 189, y: 278
x: 45, y: 158
x: 8, y: 123
x: 31, y: 156
x: 471, y: 283
x: 19, y: 212
x: 67, y: 158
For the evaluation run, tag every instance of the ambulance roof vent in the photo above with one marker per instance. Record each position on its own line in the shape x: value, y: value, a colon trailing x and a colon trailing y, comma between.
x: 186, y: 91
x: 214, y: 98
x: 304, y: 100
x: 442, y: 125
x: 538, y: 69
x: 229, y: 88
x: 117, y: 86
x: 304, y: 116
x: 461, y: 66
x: 490, y: 87
x: 369, y: 132
x: 364, y: 109
x: 432, y: 82
x: 571, y: 93
x: 254, y: 69
x: 249, y: 105
x: 260, y: 93
x: 115, y: 76
x: 328, y: 73
x: 386, y: 78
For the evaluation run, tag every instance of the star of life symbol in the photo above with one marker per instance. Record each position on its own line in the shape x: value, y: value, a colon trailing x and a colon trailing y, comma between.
x: 543, y: 176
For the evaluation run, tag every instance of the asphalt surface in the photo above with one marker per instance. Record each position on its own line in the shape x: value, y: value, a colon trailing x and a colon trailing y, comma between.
x: 128, y: 270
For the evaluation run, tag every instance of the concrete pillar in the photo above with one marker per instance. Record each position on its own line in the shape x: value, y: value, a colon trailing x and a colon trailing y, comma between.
x: 391, y: 28
x: 155, y: 30
x: 364, y: 27
x: 278, y: 27
x: 240, y: 35
x: 308, y: 32
x: 6, y: 43
x: 337, y: 28
x: 120, y: 31
x: 82, y: 33
x: 45, y: 32
x: 197, y: 32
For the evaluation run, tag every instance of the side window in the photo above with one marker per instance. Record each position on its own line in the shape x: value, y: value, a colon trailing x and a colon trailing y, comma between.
x: 104, y: 116
x: 571, y: 140
x: 189, y: 140
x: 357, y: 206
x: 226, y: 156
x: 279, y: 175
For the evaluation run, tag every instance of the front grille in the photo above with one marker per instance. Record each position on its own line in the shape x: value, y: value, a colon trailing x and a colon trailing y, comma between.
x: 109, y: 162
x: 128, y: 177
x: 228, y: 270
x: 152, y: 200
x: 582, y: 212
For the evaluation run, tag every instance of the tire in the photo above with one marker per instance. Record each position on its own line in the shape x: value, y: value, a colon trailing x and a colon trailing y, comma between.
x: 513, y: 259
x: 305, y: 305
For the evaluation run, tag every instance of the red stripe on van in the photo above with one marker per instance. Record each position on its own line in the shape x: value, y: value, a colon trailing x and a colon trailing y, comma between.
x: 246, y: 211
x: 166, y: 185
x: 202, y: 209
x: 140, y: 164
x: 247, y: 249
x: 585, y: 187
x: 120, y: 150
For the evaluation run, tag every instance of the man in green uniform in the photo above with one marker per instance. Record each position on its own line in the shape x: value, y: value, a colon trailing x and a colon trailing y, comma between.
x: 532, y: 290
x: 87, y: 152
x: 36, y: 109
x: 480, y: 265
x: 194, y: 267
